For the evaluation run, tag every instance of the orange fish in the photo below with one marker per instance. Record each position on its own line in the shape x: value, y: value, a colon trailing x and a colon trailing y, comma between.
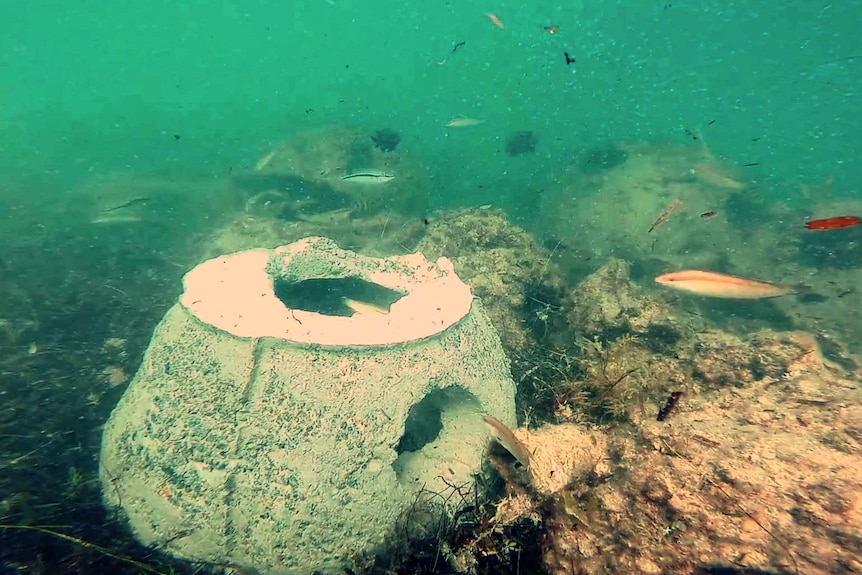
x: 552, y: 29
x: 493, y: 18
x: 835, y: 223
x: 711, y: 284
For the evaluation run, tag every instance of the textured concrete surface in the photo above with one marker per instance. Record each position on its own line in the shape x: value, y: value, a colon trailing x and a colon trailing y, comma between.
x: 293, y: 457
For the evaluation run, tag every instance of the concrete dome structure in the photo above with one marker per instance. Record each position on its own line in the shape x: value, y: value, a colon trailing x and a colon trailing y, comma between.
x: 291, y: 438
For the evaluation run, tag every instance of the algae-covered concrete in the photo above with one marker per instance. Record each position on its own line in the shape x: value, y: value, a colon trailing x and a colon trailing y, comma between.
x: 289, y: 457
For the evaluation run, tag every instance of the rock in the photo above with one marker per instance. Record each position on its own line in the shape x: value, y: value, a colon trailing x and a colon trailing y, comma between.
x: 607, y: 304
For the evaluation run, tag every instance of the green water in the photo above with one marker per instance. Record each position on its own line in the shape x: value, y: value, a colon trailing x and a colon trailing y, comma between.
x: 172, y: 92
x: 94, y: 87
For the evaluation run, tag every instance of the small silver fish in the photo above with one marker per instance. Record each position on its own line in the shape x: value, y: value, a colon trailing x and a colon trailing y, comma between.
x: 462, y: 122
x: 369, y: 177
x: 116, y: 219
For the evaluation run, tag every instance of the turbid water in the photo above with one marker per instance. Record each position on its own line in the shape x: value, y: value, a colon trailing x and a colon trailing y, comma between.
x: 138, y: 140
